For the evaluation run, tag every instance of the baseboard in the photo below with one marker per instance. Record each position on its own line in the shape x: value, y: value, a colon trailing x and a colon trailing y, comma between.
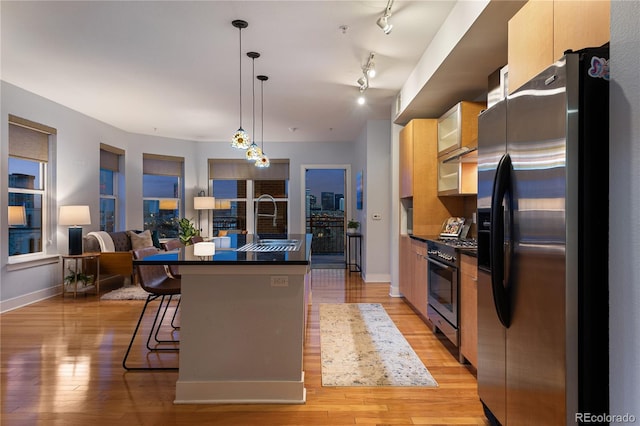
x: 27, y: 299
x: 377, y: 278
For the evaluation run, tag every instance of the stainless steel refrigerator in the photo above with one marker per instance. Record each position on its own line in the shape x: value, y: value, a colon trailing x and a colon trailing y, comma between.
x: 543, y: 247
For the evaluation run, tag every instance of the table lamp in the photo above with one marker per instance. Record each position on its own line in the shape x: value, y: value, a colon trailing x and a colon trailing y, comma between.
x: 203, y: 203
x: 73, y: 216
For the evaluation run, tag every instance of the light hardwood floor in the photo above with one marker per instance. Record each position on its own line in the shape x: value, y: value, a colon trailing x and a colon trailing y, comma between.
x: 61, y: 364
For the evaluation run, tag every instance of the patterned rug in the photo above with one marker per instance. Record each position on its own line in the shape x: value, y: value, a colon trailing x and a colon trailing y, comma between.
x: 361, y: 346
x: 131, y: 292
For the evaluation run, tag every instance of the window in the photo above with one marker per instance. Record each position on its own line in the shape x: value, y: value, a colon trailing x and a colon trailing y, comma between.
x: 231, y: 204
x: 278, y: 189
x: 109, y: 181
x: 162, y: 193
x: 237, y: 184
x: 28, y: 157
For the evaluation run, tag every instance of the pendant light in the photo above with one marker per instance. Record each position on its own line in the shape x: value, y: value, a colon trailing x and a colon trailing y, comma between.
x: 254, y: 152
x: 263, y: 161
x: 240, y: 138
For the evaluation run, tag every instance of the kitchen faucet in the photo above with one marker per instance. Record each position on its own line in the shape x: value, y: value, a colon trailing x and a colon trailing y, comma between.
x: 256, y: 214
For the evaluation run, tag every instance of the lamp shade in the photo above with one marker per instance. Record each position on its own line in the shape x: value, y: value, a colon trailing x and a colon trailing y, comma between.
x: 204, y: 203
x: 74, y: 215
x: 17, y: 216
x: 168, y: 204
x: 204, y: 249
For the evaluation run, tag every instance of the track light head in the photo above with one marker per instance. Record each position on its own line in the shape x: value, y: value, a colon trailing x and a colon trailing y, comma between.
x: 370, y: 68
x: 363, y: 83
x: 371, y: 72
x: 383, y: 23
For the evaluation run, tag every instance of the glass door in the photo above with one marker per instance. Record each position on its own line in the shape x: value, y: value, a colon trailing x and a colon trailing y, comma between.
x: 325, y: 205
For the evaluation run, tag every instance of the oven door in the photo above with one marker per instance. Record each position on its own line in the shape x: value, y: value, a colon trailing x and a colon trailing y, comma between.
x: 443, y: 290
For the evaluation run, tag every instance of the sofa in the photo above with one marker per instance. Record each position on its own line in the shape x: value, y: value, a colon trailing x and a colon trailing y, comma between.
x: 116, y: 263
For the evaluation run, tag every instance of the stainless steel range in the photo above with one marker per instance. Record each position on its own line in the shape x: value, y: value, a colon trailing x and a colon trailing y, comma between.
x: 444, y: 263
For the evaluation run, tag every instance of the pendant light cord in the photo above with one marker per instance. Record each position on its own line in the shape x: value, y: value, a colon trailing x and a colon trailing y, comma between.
x: 240, y: 62
x: 262, y: 114
x: 253, y: 85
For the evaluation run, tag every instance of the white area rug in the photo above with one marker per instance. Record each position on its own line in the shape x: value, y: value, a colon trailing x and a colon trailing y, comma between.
x: 361, y: 346
x: 132, y: 292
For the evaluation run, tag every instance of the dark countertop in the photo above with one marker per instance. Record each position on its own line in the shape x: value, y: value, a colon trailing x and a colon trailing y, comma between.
x: 468, y: 252
x: 424, y: 238
x: 229, y: 256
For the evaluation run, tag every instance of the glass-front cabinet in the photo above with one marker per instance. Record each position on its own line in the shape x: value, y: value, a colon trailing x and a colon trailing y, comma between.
x: 449, y: 130
x: 457, y: 143
x: 458, y: 176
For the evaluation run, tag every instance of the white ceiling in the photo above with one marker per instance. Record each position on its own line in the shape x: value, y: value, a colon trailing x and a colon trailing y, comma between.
x: 170, y: 68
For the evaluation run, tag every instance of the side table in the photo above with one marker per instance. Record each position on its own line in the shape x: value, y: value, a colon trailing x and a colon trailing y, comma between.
x: 74, y: 265
x: 355, y: 264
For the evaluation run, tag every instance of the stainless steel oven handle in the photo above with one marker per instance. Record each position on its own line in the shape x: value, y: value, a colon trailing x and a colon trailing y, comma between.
x: 442, y: 265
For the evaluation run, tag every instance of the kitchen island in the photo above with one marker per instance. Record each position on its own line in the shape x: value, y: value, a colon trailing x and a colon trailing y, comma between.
x: 243, y: 317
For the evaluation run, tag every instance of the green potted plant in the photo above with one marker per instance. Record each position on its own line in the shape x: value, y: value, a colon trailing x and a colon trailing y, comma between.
x: 187, y: 230
x: 352, y: 226
x: 79, y: 277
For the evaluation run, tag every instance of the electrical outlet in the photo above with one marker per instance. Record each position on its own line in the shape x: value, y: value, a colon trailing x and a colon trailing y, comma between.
x: 377, y: 216
x: 279, y: 281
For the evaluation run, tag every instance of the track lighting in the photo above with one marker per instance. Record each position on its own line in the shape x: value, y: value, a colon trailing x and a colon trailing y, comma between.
x: 383, y: 21
x: 363, y: 83
x: 370, y: 68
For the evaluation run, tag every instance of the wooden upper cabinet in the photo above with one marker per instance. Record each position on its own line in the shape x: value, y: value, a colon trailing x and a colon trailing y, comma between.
x: 406, y: 161
x: 530, y: 47
x: 542, y: 31
x: 580, y: 24
x: 415, y: 139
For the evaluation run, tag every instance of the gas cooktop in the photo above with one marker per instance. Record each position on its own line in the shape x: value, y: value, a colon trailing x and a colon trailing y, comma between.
x: 466, y: 243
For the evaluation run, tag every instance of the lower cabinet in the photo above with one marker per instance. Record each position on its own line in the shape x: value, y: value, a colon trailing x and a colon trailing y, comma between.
x: 413, y: 273
x: 469, y: 308
x: 405, y: 274
x: 420, y: 285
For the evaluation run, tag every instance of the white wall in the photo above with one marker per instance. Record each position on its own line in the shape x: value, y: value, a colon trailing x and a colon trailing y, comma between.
x: 377, y: 196
x: 624, y: 163
x: 373, y: 158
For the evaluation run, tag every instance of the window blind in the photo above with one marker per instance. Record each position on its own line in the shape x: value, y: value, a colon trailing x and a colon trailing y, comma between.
x: 28, y: 143
x: 110, y: 158
x: 162, y: 165
x: 242, y: 169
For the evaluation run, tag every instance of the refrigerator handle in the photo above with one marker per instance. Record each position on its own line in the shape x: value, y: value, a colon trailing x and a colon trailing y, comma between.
x: 501, y: 187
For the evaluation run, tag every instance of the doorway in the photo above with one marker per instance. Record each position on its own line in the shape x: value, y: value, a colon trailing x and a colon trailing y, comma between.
x: 325, y: 200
